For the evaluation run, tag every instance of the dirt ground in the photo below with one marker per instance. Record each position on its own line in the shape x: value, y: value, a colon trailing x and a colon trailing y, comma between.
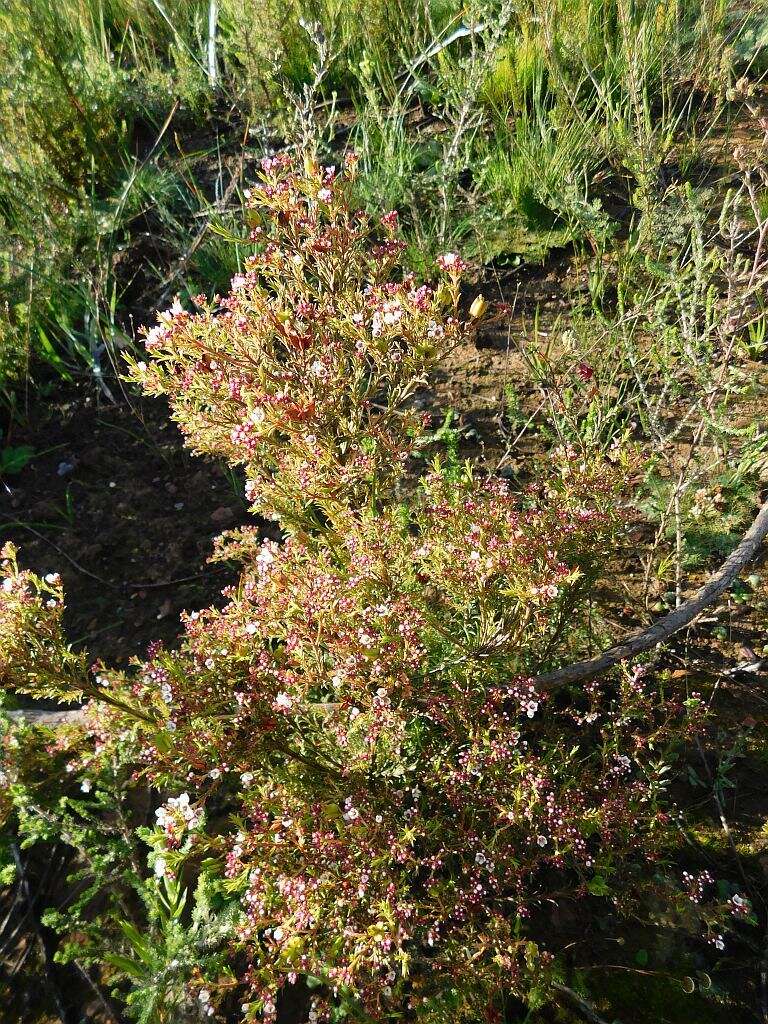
x: 116, y: 505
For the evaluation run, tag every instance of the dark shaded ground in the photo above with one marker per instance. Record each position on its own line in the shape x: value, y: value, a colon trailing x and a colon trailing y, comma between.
x: 116, y: 505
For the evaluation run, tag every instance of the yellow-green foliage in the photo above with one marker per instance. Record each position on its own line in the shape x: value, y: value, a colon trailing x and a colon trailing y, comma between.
x: 33, y: 650
x: 582, y: 46
x: 521, y: 66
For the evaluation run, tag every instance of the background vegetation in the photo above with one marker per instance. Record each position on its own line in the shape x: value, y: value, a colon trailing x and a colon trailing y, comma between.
x: 128, y: 129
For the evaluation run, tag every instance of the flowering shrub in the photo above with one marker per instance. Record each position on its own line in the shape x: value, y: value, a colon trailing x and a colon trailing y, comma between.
x: 302, y: 373
x: 403, y: 791
x: 354, y: 755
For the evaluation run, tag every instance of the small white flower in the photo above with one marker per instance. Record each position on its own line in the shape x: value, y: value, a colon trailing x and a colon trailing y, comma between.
x: 156, y: 336
x: 204, y: 996
x: 52, y: 577
x: 265, y: 557
x: 542, y: 840
x: 246, y: 778
x: 160, y: 867
x: 86, y: 785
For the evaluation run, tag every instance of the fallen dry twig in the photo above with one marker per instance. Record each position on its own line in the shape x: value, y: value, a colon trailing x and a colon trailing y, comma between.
x: 678, y: 619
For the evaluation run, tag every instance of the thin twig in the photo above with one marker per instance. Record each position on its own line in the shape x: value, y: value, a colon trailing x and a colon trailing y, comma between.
x: 581, y: 1006
x: 128, y: 585
x: 97, y: 990
x: 76, y: 565
x: 7, y: 941
x: 172, y: 583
